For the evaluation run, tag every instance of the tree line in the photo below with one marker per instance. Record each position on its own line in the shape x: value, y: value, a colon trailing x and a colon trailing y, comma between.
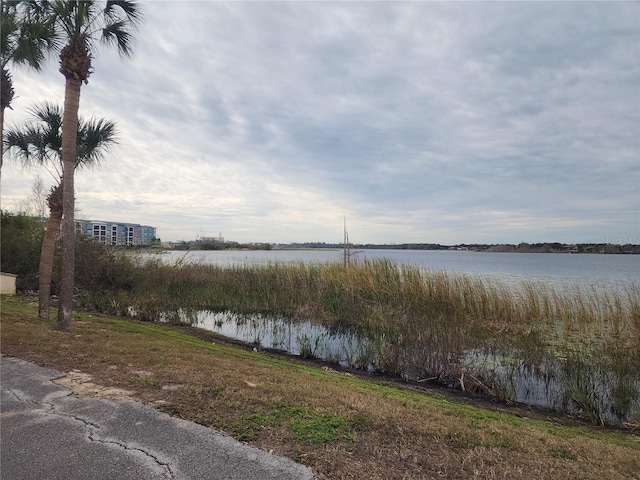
x: 553, y: 247
x: 205, y: 245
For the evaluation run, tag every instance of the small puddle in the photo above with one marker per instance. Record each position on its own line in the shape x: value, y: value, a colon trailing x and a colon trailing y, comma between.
x: 548, y: 382
x: 297, y: 338
x: 554, y: 382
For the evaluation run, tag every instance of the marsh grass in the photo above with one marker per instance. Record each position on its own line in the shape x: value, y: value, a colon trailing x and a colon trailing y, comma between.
x: 308, y: 345
x: 421, y: 322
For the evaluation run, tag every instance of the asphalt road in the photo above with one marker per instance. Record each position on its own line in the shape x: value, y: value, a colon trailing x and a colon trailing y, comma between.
x: 48, y: 434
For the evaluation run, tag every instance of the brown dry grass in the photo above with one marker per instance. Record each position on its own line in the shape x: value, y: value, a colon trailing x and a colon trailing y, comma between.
x: 341, y: 426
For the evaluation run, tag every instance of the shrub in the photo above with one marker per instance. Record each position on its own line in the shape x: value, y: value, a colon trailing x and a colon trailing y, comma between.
x: 20, y: 243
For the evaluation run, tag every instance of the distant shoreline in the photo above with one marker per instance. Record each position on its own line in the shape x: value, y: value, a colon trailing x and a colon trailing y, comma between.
x: 579, y: 248
x: 590, y: 248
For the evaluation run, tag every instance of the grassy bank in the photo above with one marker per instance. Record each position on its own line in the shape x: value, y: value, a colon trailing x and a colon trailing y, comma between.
x: 422, y: 323
x: 342, y: 426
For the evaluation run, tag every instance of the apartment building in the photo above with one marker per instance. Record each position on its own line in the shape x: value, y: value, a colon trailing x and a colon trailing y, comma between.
x: 117, y: 233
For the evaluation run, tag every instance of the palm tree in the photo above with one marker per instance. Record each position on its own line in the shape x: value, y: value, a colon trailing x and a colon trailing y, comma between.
x: 26, y: 34
x: 40, y: 142
x: 83, y: 23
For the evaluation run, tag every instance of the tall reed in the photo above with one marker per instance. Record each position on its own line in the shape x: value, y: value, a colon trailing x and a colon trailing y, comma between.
x: 424, y: 321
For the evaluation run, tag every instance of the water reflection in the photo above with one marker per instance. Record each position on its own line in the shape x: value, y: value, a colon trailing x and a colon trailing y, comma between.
x: 301, y: 338
x: 548, y: 381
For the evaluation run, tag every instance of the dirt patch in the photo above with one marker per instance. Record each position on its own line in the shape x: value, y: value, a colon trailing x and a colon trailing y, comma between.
x: 81, y: 385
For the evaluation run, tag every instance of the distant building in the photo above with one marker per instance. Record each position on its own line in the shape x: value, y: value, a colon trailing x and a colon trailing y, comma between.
x: 117, y: 233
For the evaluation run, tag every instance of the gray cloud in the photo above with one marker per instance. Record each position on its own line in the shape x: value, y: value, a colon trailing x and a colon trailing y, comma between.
x: 422, y: 121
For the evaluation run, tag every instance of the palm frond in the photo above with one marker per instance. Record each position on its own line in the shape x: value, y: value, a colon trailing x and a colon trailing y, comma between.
x: 47, y: 112
x: 40, y: 140
x: 27, y: 33
x: 119, y: 35
x: 130, y: 9
x: 27, y: 145
x: 84, y: 21
x: 69, y: 16
x: 20, y: 142
x: 96, y: 138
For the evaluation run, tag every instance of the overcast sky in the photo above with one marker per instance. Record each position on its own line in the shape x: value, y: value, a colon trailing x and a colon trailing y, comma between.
x: 452, y: 122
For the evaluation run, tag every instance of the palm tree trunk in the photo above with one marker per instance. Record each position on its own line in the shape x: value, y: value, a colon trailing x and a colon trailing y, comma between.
x: 45, y: 271
x: 69, y: 132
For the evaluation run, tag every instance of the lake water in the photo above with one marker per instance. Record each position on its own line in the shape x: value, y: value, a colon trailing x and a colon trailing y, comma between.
x: 547, y: 382
x: 556, y: 269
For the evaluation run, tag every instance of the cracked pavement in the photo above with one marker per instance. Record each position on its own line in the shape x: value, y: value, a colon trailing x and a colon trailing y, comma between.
x: 46, y: 433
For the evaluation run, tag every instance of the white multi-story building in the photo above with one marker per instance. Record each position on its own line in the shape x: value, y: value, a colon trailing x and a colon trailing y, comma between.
x: 117, y: 233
